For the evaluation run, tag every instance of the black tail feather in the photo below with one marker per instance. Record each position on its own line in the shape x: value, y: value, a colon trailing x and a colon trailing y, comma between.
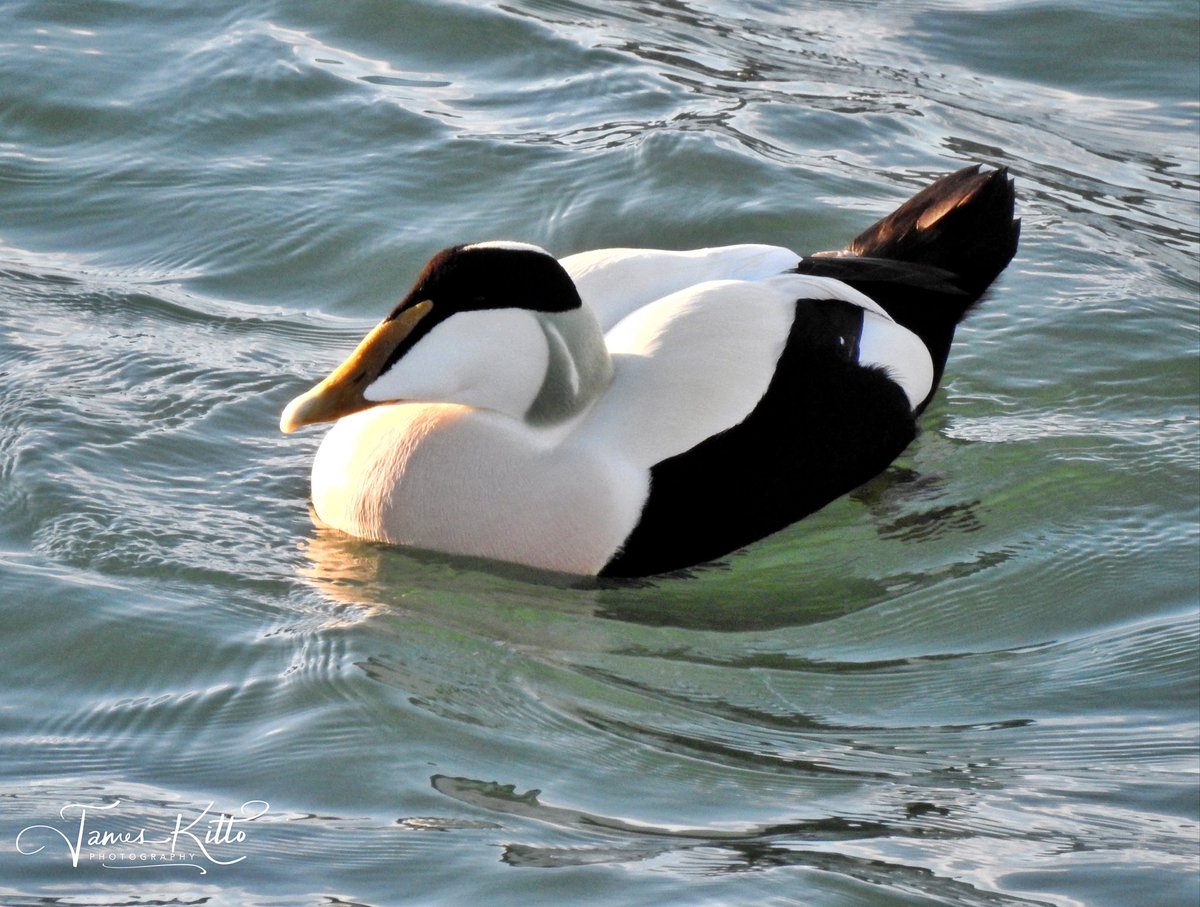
x: 963, y: 223
x: 932, y: 258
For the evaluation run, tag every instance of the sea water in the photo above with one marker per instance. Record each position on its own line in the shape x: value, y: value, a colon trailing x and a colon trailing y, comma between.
x: 972, y: 681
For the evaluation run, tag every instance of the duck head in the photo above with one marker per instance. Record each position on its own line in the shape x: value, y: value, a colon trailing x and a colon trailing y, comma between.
x: 496, y: 326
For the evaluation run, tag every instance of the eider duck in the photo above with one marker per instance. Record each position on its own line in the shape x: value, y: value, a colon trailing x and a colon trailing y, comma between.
x: 628, y: 412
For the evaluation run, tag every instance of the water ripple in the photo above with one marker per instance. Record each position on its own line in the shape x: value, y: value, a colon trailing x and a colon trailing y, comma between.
x: 971, y: 681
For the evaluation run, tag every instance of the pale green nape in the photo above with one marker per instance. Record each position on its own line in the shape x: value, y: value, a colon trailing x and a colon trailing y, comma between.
x: 579, y: 367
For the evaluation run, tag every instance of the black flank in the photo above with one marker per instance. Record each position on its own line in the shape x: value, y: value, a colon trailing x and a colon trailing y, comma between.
x: 824, y: 426
x: 827, y: 424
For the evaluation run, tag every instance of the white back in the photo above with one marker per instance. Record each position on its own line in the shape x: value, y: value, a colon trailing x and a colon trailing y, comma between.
x: 616, y: 282
x: 697, y: 362
x: 688, y: 366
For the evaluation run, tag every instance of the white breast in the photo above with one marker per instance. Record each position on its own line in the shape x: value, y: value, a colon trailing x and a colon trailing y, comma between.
x: 462, y: 481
